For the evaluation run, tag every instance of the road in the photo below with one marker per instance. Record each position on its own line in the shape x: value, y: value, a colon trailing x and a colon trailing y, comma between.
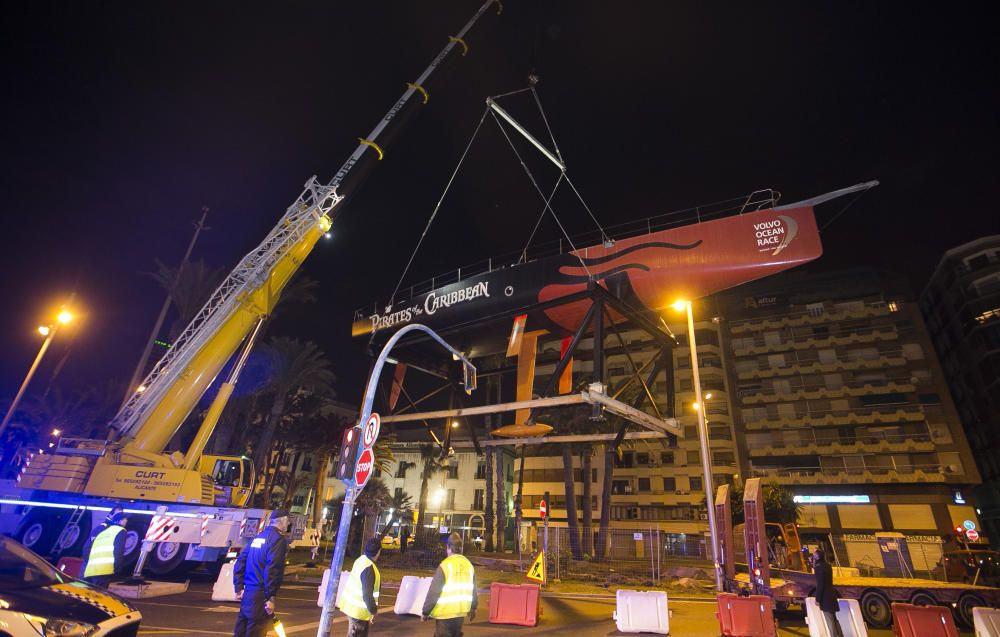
x: 194, y: 613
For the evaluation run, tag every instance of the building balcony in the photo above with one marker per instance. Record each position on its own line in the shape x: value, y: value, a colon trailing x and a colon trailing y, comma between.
x: 818, y: 475
x: 861, y: 416
x: 799, y: 319
x: 818, y: 392
x: 864, y: 336
x: 818, y: 367
x: 865, y: 442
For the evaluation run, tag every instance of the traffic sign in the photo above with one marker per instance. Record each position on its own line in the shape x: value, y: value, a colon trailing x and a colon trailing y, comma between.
x: 537, y: 570
x: 543, y: 509
x: 371, y: 430
x: 972, y: 535
x: 365, y: 468
x: 969, y: 525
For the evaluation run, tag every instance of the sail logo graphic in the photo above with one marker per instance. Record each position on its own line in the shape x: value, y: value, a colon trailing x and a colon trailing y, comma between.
x: 775, y: 235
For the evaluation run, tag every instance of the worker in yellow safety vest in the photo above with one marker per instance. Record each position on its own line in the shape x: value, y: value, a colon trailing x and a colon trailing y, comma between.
x: 359, y: 599
x: 452, y: 595
x: 106, y: 553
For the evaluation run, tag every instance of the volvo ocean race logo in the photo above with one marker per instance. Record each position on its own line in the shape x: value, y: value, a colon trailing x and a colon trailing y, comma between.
x: 433, y: 302
x: 775, y: 235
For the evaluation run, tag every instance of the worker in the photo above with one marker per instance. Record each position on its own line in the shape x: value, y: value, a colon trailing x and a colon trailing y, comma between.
x: 106, y: 552
x: 404, y: 539
x: 452, y: 595
x: 259, y: 570
x: 826, y: 594
x: 359, y: 600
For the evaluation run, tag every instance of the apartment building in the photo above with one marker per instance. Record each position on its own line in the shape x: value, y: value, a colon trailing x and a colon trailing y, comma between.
x: 962, y: 306
x: 840, y: 398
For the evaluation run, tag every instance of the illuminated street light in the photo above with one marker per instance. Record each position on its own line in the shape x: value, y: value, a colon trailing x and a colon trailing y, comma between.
x: 48, y: 331
x: 454, y: 424
x: 56, y: 432
x: 706, y: 456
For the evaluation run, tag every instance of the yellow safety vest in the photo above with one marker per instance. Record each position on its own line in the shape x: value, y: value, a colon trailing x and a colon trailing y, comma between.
x: 102, y: 553
x: 352, y: 600
x: 459, y: 588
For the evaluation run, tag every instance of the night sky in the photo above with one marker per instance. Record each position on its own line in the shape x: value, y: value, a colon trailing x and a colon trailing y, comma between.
x: 121, y: 120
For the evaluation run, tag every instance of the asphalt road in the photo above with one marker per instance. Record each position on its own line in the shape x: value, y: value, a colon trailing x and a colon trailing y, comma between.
x: 194, y: 613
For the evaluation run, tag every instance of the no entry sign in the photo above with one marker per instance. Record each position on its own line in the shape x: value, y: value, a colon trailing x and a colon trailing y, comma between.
x: 366, y: 465
x: 371, y: 429
x: 972, y: 535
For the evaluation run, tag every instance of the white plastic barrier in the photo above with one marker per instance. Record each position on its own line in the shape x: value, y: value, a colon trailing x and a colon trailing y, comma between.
x: 642, y: 612
x: 326, y: 580
x: 223, y: 590
x: 986, y: 621
x: 412, y: 593
x: 849, y: 616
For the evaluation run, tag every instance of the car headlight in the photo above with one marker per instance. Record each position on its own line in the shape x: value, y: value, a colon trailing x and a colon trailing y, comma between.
x: 60, y: 627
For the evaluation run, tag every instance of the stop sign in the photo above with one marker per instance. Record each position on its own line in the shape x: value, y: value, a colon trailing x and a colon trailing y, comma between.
x: 973, y: 535
x: 366, y: 465
x: 543, y: 509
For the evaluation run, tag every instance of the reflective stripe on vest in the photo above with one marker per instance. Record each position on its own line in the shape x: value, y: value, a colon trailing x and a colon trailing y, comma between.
x: 352, y: 599
x: 102, y: 553
x: 458, y: 590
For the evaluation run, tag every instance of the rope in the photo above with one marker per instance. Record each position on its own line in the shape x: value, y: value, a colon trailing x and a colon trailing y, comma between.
x: 842, y: 210
x: 447, y: 187
x: 524, y: 252
x: 534, y: 183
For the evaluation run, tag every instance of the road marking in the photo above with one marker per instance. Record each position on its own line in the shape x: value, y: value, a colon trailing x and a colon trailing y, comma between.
x: 138, y: 601
x: 185, y: 631
x: 311, y: 625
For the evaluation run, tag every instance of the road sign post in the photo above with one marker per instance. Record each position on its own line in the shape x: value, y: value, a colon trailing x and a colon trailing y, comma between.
x: 364, y: 463
x: 545, y: 534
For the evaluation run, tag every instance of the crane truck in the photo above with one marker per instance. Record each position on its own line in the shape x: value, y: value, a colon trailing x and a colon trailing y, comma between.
x: 191, y: 507
x: 791, y: 582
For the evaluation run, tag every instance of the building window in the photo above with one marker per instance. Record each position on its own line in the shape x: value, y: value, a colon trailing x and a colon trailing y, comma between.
x: 893, y: 307
x: 626, y: 460
x: 621, y: 487
x: 298, y: 500
x: 307, y: 464
x: 694, y: 457
x: 643, y: 484
x: 401, y: 469
x: 695, y: 483
x: 453, y: 471
x: 481, y: 471
x: 398, y: 493
x: 666, y: 457
x: 450, y: 499
x: 669, y: 484
x: 725, y: 458
x: 642, y: 458
x: 479, y: 500
x: 616, y: 371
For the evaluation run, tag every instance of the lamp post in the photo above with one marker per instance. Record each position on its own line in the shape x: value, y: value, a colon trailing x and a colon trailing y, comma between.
x: 49, y: 332
x: 706, y: 457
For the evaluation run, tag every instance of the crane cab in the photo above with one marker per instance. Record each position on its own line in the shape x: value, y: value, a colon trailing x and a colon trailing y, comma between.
x: 234, y: 478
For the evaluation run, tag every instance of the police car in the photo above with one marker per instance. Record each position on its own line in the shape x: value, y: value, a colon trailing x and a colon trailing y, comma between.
x: 36, y: 600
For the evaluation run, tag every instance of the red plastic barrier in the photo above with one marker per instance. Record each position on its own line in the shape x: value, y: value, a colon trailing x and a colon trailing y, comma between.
x: 746, y: 616
x: 922, y: 621
x: 72, y: 566
x: 514, y: 604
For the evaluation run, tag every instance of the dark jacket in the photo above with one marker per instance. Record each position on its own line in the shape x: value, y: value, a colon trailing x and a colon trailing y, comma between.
x: 826, y: 594
x: 434, y: 592
x: 368, y: 589
x: 261, y: 565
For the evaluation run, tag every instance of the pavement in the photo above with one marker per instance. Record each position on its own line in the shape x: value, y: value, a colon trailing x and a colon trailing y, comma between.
x: 194, y: 613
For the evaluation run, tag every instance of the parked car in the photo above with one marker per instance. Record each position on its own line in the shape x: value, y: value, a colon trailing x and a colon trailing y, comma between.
x: 36, y: 599
x: 961, y: 566
x: 391, y: 540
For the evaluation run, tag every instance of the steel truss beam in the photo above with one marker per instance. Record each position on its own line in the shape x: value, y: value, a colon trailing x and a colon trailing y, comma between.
x: 548, y: 440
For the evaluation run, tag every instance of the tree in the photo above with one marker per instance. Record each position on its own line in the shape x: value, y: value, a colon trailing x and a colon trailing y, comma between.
x: 587, y: 528
x: 571, y: 420
x: 488, y: 518
x: 401, y: 507
x: 188, y: 287
x: 429, y: 458
x: 779, y: 503
x: 501, y: 499
x: 296, y: 366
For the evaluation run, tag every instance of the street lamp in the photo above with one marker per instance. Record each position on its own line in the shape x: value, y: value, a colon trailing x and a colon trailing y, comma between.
x: 706, y: 458
x: 49, y: 332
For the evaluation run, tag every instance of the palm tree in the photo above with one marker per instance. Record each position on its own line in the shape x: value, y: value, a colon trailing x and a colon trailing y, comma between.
x: 429, y: 457
x: 402, y: 507
x: 488, y: 513
x: 296, y: 367
x: 571, y: 420
x: 501, y: 508
x: 189, y: 288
